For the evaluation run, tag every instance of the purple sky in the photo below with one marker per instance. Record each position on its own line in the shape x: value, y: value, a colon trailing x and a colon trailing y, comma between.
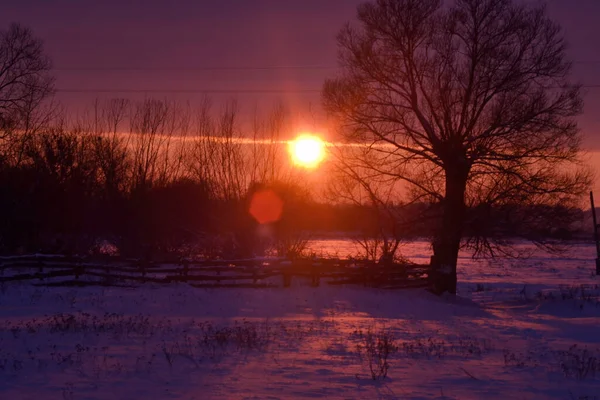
x: 166, y: 37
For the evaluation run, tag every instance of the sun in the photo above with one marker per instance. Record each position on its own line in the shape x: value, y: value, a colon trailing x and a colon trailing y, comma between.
x: 307, y: 151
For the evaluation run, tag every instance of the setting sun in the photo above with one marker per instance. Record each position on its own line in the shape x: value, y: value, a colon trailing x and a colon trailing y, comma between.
x: 307, y: 151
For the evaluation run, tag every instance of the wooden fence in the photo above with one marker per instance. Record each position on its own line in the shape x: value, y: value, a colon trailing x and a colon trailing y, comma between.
x: 54, y: 270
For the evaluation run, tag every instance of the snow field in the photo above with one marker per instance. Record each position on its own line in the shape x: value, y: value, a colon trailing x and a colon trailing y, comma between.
x: 523, y: 329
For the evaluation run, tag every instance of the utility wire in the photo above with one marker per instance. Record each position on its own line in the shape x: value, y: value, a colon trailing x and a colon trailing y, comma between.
x: 213, y: 91
x: 220, y: 68
x: 193, y: 69
x: 218, y: 91
x: 227, y: 68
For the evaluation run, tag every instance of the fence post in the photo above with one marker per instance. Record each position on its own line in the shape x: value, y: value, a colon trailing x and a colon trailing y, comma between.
x: 315, y: 273
x: 285, y: 270
x: 40, y: 269
x: 186, y: 267
x: 254, y: 266
x: 318, y: 269
x: 367, y: 273
x: 596, y: 234
x: 142, y: 268
x: 78, y: 270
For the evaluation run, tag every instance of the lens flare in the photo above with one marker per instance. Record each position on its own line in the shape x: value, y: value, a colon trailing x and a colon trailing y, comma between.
x: 266, y: 206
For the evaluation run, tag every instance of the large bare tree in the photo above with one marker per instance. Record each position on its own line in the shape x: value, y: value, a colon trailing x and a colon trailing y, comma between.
x: 25, y: 80
x: 467, y: 102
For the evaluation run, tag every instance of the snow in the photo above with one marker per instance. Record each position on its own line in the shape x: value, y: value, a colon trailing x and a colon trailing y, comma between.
x: 518, y: 329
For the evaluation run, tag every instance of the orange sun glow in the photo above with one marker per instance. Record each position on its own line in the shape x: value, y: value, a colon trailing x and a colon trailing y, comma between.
x: 307, y: 151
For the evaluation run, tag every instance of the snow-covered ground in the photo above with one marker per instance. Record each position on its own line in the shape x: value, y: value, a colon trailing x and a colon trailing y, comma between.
x: 527, y: 329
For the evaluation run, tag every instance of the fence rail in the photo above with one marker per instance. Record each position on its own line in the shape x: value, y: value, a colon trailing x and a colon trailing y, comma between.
x: 53, y: 270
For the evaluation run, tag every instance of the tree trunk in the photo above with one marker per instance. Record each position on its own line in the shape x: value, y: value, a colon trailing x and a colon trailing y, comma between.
x: 447, y: 238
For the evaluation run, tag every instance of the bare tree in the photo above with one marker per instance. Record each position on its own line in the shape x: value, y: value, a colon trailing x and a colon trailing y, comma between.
x: 466, y: 103
x: 155, y: 131
x: 217, y: 157
x: 268, y: 154
x: 351, y: 183
x: 25, y: 82
x: 110, y: 143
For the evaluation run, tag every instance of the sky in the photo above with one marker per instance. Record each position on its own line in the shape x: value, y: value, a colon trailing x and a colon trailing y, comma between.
x: 194, y: 45
x: 235, y: 48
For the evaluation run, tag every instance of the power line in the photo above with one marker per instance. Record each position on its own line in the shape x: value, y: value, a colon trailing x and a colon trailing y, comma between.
x: 227, y: 68
x: 194, y: 69
x: 218, y: 91
x: 209, y: 91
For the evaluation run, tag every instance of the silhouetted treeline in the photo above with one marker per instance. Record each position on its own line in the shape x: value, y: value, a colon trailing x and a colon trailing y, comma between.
x: 151, y: 178
x: 148, y: 178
